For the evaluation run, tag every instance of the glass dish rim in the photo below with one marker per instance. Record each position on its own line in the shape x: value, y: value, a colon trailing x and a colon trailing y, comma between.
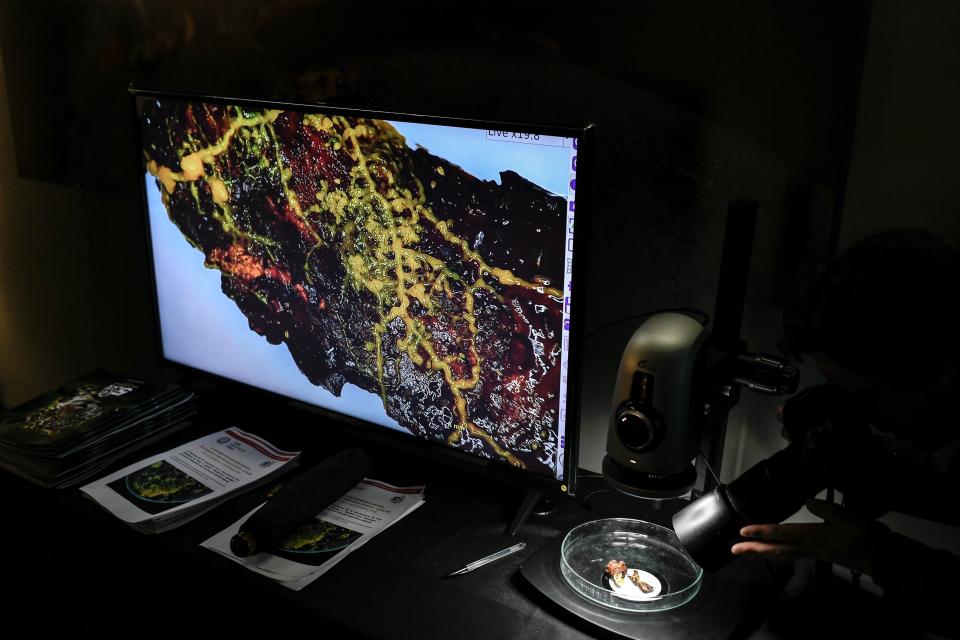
x: 673, y: 595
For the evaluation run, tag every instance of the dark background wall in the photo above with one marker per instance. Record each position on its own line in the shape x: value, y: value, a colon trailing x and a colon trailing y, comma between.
x: 837, y: 116
x: 695, y: 103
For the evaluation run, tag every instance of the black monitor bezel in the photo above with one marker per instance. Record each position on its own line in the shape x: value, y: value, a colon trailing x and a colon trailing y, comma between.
x: 361, y: 428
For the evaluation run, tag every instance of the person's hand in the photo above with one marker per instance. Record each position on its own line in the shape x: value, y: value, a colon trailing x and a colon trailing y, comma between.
x: 843, y: 538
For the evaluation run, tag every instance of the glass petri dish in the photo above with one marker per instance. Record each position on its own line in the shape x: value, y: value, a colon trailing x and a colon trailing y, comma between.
x: 669, y: 575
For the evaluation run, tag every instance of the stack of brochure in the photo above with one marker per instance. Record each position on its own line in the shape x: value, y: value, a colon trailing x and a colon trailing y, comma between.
x: 317, y: 545
x: 167, y: 490
x: 68, y: 435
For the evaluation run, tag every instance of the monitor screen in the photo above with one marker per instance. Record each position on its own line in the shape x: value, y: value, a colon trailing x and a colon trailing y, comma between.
x: 405, y: 271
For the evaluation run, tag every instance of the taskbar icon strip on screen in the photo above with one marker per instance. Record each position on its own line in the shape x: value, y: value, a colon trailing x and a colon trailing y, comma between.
x: 567, y: 293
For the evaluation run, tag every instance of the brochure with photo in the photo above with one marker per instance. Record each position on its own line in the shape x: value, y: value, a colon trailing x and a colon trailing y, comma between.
x: 169, y: 489
x: 321, y: 542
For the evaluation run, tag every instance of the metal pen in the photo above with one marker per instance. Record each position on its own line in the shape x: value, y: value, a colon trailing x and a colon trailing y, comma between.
x: 476, y: 564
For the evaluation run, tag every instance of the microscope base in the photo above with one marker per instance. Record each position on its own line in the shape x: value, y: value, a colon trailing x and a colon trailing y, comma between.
x: 730, y: 603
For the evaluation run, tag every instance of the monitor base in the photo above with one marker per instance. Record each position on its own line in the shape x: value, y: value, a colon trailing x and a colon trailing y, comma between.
x: 536, y: 501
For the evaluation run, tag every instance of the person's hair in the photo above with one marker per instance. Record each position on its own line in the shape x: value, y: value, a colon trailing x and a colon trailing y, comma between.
x: 886, y: 307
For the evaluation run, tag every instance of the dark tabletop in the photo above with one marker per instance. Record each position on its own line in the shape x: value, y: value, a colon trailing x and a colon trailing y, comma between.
x: 72, y: 569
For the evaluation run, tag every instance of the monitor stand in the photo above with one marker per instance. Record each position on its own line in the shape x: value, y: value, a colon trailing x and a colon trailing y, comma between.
x: 536, y: 501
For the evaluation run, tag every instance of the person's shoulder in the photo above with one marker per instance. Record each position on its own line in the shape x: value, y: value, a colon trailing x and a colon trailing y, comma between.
x: 948, y: 459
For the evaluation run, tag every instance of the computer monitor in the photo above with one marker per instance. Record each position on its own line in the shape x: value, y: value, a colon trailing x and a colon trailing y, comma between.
x: 409, y: 272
